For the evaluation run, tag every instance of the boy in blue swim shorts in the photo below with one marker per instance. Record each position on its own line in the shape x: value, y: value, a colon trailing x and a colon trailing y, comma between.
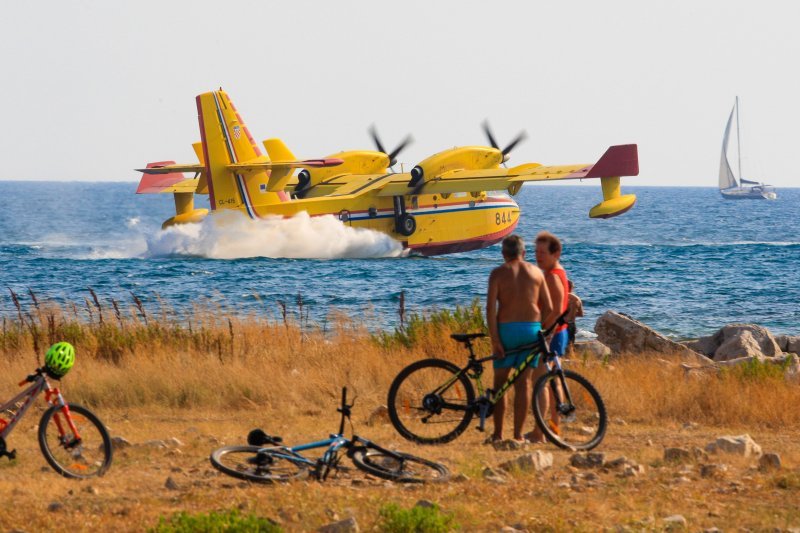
x: 516, y: 300
x: 548, y: 255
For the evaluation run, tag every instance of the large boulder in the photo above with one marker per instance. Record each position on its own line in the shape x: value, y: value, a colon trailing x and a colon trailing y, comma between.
x: 789, y: 343
x: 743, y: 344
x: 738, y: 340
x: 591, y: 348
x: 624, y: 334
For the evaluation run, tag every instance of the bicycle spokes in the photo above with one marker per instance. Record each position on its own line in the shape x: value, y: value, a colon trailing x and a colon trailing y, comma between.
x: 429, y: 397
x: 74, y: 443
x: 571, y: 411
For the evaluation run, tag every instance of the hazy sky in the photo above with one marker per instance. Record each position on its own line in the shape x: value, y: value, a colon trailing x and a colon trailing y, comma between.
x: 94, y: 89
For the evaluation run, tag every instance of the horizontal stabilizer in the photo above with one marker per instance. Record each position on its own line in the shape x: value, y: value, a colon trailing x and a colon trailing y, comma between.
x: 158, y: 168
x: 164, y: 182
x: 268, y: 165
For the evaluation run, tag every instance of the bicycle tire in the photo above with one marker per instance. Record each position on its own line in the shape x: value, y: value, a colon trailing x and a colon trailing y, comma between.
x: 585, y: 426
x: 400, y: 402
x: 89, y: 457
x: 410, y: 469
x: 257, y: 464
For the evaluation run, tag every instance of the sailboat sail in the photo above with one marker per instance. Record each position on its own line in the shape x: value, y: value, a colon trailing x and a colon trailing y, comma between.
x: 726, y: 177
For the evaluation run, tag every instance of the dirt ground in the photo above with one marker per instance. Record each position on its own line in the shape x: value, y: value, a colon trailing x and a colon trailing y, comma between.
x: 134, y: 493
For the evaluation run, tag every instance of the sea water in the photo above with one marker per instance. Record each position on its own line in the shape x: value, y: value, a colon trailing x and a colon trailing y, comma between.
x: 683, y: 260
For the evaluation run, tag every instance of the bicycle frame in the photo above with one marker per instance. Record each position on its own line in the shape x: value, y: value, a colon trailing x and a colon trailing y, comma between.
x: 38, y: 385
x: 334, y: 443
x: 485, y: 402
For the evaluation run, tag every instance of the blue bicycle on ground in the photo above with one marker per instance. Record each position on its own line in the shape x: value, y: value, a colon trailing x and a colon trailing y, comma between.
x: 265, y: 459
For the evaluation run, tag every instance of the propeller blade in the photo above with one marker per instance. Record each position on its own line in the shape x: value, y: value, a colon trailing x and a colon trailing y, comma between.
x: 489, y: 135
x: 400, y: 147
x: 374, y: 133
x: 518, y: 139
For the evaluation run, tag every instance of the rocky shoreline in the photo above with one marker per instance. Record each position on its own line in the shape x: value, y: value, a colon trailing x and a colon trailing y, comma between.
x: 733, y: 344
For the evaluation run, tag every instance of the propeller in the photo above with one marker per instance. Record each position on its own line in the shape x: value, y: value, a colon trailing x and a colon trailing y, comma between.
x: 521, y: 136
x: 394, y: 153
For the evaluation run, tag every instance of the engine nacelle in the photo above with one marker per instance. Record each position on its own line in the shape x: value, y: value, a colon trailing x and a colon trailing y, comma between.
x: 464, y: 158
x: 355, y: 162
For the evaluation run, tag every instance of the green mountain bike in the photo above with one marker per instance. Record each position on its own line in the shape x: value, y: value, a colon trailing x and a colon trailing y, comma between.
x: 433, y: 401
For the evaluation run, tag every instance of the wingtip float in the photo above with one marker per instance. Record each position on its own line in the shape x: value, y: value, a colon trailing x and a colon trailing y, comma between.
x: 441, y: 206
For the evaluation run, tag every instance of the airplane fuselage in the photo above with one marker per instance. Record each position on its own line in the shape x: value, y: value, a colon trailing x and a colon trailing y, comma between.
x: 459, y: 223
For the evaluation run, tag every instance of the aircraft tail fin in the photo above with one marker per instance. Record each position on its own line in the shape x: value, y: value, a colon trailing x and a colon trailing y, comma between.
x: 227, y: 141
x: 277, y: 150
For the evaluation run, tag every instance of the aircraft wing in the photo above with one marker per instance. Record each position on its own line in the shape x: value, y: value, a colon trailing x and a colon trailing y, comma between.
x: 617, y: 161
x: 621, y: 160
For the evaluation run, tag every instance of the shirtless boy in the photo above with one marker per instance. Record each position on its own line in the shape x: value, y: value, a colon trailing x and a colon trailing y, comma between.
x: 548, y: 254
x: 515, y: 304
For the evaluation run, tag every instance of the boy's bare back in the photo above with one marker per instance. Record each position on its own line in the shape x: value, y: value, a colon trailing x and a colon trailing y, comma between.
x: 518, y: 285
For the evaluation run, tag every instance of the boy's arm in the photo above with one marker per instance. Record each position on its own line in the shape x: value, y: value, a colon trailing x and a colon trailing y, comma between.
x: 579, y: 308
x: 545, y: 303
x: 556, y: 290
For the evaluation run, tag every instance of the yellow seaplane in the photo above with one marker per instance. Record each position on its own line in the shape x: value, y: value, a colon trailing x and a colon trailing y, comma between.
x: 443, y: 205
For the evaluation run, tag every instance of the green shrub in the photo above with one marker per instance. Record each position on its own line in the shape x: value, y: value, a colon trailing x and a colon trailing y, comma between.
x: 213, y: 522
x: 418, y: 519
x: 755, y: 370
x: 463, y: 319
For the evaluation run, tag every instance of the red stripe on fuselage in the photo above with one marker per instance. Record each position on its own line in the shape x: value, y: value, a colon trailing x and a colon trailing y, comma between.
x: 466, y: 245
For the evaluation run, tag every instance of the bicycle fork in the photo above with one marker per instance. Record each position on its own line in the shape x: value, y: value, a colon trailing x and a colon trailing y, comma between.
x: 561, y: 394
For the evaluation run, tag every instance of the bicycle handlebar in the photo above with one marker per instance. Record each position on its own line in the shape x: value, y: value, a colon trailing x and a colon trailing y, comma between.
x: 344, y: 409
x: 31, y: 378
x: 562, y: 319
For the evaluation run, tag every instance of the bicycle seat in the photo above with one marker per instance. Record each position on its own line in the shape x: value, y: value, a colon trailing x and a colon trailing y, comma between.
x: 258, y: 437
x: 464, y: 337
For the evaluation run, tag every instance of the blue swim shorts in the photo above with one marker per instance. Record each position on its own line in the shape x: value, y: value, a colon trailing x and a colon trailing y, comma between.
x: 513, y: 334
x: 558, y: 344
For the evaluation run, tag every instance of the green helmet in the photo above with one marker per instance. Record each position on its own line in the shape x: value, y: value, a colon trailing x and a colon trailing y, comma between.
x: 59, y: 359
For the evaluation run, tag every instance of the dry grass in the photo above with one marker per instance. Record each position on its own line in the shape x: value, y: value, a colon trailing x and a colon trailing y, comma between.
x: 219, y: 360
x: 222, y: 375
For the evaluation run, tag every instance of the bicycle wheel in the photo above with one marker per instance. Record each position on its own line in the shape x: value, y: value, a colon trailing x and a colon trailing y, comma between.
x: 430, y: 401
x: 79, y: 454
x: 580, y: 422
x: 397, y: 466
x: 253, y: 463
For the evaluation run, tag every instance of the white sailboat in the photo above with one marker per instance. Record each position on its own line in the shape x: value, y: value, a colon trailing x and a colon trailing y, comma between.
x: 728, y: 186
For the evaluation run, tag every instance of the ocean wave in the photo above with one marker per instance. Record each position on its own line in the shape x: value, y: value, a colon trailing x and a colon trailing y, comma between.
x: 707, y: 244
x: 231, y: 235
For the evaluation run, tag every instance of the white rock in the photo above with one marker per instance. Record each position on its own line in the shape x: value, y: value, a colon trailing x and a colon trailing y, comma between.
x: 675, y: 521
x: 530, y: 462
x: 742, y: 445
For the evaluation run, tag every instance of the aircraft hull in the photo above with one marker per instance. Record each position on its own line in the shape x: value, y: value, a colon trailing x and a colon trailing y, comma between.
x: 458, y: 223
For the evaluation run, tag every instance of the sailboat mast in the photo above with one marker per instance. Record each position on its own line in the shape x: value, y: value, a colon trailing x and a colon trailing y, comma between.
x: 738, y: 141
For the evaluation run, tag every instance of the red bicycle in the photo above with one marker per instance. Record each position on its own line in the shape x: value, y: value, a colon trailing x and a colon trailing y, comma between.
x: 73, y: 440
